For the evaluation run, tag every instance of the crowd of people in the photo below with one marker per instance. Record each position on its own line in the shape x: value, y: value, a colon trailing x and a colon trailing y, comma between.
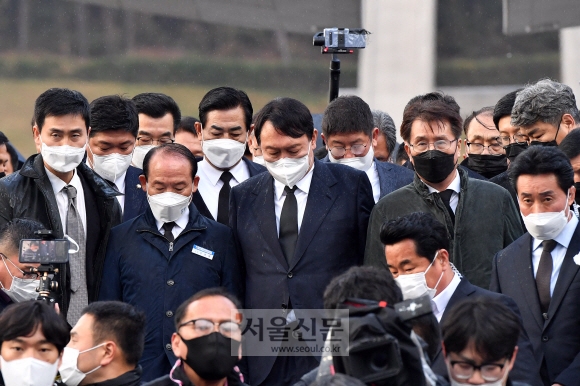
x: 179, y: 226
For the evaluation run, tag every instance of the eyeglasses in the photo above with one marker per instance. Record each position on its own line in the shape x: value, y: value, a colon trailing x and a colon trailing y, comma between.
x: 490, y: 372
x: 356, y: 150
x: 25, y: 275
x: 518, y: 138
x: 146, y: 140
x: 205, y: 327
x: 441, y: 145
x: 477, y: 148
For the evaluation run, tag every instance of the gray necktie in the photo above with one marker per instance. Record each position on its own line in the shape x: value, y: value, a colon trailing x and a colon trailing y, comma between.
x: 79, y: 298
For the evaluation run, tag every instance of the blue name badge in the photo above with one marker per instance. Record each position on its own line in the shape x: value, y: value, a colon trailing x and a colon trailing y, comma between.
x: 202, y: 252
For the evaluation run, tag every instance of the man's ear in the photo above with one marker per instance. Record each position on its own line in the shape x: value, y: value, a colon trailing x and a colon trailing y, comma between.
x: 198, y: 129
x: 179, y: 348
x: 513, y: 359
x: 36, y: 136
x: 408, y: 151
x: 110, y: 353
x: 375, y: 137
x: 568, y: 122
x: 314, y: 137
x: 143, y: 182
x: 195, y: 184
x: 443, y: 349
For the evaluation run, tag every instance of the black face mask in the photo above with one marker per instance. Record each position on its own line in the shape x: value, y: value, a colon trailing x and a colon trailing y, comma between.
x: 577, y: 198
x: 210, y: 356
x: 2, y: 175
x: 434, y: 165
x: 487, y: 165
x: 514, y: 149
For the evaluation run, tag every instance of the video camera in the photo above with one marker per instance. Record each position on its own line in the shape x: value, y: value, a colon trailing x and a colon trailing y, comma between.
x: 340, y: 40
x: 380, y: 347
x: 49, y: 252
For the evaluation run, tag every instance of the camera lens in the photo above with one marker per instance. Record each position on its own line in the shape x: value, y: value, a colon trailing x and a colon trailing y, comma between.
x: 379, y: 361
x: 318, y: 39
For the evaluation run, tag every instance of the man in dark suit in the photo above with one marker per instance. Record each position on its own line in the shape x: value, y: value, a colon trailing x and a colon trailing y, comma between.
x: 540, y: 269
x: 112, y: 136
x: 416, y: 249
x: 297, y: 226
x: 350, y: 136
x: 168, y: 253
x: 225, y: 122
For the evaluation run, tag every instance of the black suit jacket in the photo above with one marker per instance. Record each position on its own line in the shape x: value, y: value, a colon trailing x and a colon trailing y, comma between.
x: 253, y: 168
x: 391, y: 176
x: 135, y: 198
x: 556, y: 338
x: 331, y: 240
x: 525, y: 369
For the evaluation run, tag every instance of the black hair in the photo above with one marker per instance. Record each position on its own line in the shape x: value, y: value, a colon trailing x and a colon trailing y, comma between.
x: 537, y: 160
x: 120, y: 322
x: 114, y: 112
x: 289, y: 117
x: 57, y: 102
x: 214, y: 291
x: 401, y: 154
x: 488, y: 324
x: 14, y: 231
x: 504, y: 106
x: 431, y: 107
x: 427, y: 233
x: 24, y: 318
x: 187, y: 124
x: 225, y: 98
x: 3, y: 139
x: 368, y: 283
x: 347, y: 114
x: 337, y: 379
x: 483, y: 111
x: 570, y: 145
x: 156, y: 105
x: 170, y: 149
x: 13, y: 156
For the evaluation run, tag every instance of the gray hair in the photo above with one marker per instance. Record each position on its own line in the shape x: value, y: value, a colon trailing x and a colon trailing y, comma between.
x: 544, y: 101
x: 386, y: 125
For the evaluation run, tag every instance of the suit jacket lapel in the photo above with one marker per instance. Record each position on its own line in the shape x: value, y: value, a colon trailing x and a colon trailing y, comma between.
x: 265, y: 215
x: 319, y: 202
x: 568, y: 271
x: 525, y: 274
x: 463, y: 290
x: 384, y: 181
x: 197, y: 199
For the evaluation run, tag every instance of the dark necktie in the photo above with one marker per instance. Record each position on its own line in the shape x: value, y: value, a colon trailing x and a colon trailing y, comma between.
x: 79, y: 298
x: 223, y: 214
x: 544, y: 274
x: 167, y: 231
x: 446, y: 197
x: 112, y: 185
x: 289, y: 224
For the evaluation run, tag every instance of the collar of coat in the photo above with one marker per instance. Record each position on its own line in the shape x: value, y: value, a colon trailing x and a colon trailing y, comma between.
x: 424, y: 190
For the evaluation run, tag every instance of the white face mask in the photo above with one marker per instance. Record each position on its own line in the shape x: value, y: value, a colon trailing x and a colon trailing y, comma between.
x: 289, y: 171
x: 414, y: 285
x: 259, y: 159
x: 28, y: 372
x: 139, y: 154
x: 499, y: 382
x: 69, y: 371
x: 168, y: 206
x: 111, y: 166
x: 223, y: 153
x: 21, y: 289
x: 547, y: 225
x: 63, y: 158
x: 361, y: 163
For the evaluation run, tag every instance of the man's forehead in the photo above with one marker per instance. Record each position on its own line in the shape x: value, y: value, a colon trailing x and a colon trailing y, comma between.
x: 420, y: 127
x: 211, y: 307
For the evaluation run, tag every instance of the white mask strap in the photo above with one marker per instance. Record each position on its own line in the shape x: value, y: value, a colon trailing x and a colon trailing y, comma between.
x: 72, y: 242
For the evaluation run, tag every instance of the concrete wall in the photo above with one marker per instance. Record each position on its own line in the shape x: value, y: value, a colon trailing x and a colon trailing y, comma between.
x: 399, y: 61
x: 570, y: 59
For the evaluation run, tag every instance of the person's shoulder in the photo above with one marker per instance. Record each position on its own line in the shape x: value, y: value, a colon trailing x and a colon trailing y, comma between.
x: 253, y: 167
x: 394, y: 168
x: 485, y: 188
x: 251, y: 182
x: 338, y: 171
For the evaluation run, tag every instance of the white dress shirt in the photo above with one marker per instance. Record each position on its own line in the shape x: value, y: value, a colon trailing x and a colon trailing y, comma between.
x: 301, y: 193
x: 373, y: 175
x: 559, y: 252
x: 210, y: 184
x: 179, y: 226
x: 120, y: 184
x: 440, y: 301
x: 455, y: 185
x: 62, y: 197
